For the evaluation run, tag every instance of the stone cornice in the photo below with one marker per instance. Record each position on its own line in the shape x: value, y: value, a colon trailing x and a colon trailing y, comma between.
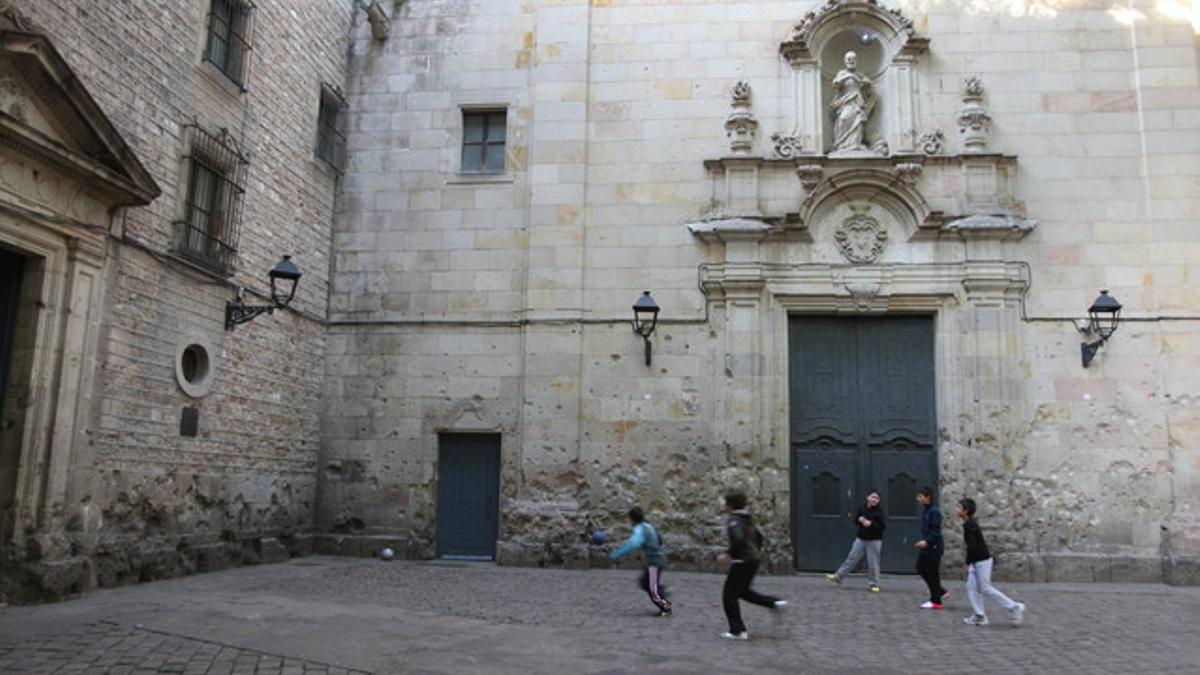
x: 858, y: 288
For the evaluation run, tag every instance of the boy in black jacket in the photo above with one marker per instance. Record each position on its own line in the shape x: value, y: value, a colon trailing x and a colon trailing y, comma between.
x: 929, y: 549
x: 745, y: 540
x: 979, y: 571
x: 869, y: 540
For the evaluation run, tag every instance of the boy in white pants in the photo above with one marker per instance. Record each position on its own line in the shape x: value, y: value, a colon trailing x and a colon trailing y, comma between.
x: 979, y: 571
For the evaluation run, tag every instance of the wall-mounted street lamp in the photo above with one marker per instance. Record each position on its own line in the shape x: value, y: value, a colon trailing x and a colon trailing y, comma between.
x: 645, y: 318
x: 285, y: 276
x: 1103, y: 317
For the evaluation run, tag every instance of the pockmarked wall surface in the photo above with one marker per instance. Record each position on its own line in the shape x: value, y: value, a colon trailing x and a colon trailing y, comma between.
x: 990, y: 166
x: 131, y: 495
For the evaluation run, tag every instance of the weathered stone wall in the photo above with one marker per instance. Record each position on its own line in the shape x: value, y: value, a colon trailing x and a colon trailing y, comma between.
x: 468, y: 304
x: 143, y: 501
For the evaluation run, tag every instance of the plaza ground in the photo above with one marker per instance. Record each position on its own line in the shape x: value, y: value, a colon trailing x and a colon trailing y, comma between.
x: 337, y: 615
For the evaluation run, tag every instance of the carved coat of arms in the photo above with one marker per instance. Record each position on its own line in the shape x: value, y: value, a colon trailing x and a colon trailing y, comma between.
x: 860, y: 237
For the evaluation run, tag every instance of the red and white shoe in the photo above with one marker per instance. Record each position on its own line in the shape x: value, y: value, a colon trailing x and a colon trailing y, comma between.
x: 931, y: 605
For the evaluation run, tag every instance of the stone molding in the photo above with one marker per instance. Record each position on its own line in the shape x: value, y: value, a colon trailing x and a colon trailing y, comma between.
x: 983, y: 207
x: 815, y: 26
x: 889, y: 287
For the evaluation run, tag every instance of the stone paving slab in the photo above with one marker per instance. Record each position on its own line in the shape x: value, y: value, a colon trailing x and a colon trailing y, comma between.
x: 109, y: 647
x: 322, y: 614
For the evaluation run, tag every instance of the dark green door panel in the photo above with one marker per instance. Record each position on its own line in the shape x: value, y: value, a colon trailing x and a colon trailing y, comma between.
x: 898, y: 474
x: 468, y: 502
x: 823, y: 485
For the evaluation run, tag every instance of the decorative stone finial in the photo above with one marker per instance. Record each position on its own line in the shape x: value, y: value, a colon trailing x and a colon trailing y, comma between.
x: 741, y: 126
x: 973, y: 120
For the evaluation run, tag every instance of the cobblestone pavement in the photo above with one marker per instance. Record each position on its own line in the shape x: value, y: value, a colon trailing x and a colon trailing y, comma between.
x: 323, y: 614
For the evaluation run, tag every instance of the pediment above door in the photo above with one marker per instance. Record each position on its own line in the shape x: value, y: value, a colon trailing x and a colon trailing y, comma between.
x: 46, y: 113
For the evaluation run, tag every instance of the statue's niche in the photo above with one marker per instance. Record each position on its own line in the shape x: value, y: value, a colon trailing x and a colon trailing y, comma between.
x: 850, y: 93
x: 853, y: 69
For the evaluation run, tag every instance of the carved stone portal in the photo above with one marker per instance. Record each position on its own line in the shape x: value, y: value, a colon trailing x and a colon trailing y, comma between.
x: 861, y: 238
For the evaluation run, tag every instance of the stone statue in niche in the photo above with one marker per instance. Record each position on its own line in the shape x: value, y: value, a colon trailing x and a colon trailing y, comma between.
x: 853, y: 100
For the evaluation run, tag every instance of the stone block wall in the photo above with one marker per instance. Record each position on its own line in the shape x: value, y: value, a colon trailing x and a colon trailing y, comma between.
x: 501, y: 304
x: 145, y: 502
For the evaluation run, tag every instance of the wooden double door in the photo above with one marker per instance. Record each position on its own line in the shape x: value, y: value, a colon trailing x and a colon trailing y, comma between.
x: 862, y: 417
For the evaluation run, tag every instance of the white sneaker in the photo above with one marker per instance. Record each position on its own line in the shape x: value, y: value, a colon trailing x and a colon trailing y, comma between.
x: 976, y: 620
x: 735, y: 636
x: 780, y: 604
x: 1017, y: 613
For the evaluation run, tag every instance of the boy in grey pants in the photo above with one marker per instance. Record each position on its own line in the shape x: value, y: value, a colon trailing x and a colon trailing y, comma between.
x: 869, y: 540
x: 979, y: 571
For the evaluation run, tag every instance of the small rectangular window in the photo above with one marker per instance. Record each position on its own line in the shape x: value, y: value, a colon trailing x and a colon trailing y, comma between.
x: 211, y: 213
x: 230, y: 24
x: 331, y: 139
x: 483, y: 141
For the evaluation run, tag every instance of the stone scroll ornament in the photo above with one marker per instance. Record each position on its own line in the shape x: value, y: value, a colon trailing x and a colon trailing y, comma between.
x: 741, y: 126
x: 930, y: 142
x: 861, y: 238
x: 786, y: 147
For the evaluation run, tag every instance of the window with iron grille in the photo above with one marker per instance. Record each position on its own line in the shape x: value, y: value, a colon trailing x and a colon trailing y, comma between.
x: 215, y: 172
x: 331, y: 139
x: 483, y: 141
x: 230, y: 27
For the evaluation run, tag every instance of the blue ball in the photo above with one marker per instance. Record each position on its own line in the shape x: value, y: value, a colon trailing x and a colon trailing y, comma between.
x: 598, y: 537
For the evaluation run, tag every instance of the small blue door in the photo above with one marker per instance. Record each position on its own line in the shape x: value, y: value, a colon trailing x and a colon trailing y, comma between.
x: 468, y: 496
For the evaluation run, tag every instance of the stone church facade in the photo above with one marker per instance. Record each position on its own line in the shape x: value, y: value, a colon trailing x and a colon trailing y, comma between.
x: 845, y: 303
x: 873, y: 232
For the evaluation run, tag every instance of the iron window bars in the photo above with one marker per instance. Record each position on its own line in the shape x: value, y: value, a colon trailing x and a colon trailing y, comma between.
x: 230, y: 27
x: 212, y: 213
x: 331, y: 139
x: 483, y: 141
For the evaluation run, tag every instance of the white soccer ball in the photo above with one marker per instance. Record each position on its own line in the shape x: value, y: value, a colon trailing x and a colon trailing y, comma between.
x: 387, y: 554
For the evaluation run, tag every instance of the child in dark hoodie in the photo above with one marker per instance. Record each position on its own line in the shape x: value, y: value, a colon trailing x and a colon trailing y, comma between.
x: 869, y: 541
x: 745, y: 541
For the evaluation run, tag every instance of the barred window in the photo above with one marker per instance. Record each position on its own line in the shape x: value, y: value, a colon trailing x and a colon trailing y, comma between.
x: 331, y: 139
x: 215, y: 172
x: 230, y: 26
x: 483, y: 141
